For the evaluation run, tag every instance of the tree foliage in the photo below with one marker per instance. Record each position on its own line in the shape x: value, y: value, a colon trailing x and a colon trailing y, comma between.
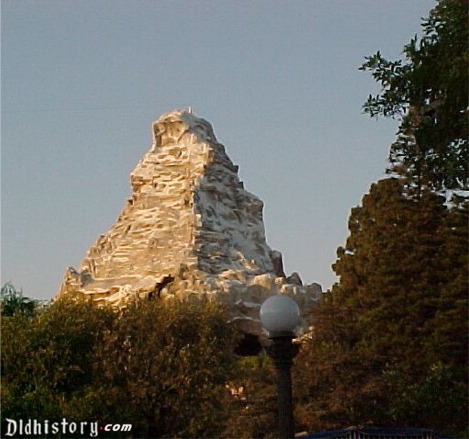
x: 390, y: 344
x: 428, y: 92
x: 167, y: 364
x: 252, y: 400
x: 391, y: 337
x: 13, y: 301
x: 161, y: 366
x: 47, y: 359
x: 390, y: 340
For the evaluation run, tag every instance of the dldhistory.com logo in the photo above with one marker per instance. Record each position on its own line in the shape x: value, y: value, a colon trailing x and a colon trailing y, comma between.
x: 32, y: 427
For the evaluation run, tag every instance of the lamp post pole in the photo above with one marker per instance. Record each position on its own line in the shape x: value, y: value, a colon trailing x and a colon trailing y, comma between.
x: 280, y: 316
x: 282, y: 352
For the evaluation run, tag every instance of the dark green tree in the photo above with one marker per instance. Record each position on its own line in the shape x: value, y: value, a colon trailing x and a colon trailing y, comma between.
x: 47, y: 360
x: 389, y: 269
x: 428, y: 92
x: 162, y: 366
x: 166, y: 365
x: 391, y: 336
x: 13, y: 301
x: 252, y: 399
x: 390, y: 340
x: 451, y: 318
x: 328, y: 372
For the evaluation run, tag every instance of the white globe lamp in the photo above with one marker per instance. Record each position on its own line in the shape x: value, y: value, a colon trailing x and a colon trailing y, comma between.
x: 280, y: 315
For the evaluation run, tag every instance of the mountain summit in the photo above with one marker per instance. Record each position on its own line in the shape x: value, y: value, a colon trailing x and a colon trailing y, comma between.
x: 190, y: 228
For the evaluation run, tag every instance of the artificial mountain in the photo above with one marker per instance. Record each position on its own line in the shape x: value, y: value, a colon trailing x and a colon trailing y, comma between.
x: 190, y: 229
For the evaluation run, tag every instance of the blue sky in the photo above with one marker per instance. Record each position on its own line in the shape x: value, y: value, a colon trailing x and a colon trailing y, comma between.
x: 82, y: 81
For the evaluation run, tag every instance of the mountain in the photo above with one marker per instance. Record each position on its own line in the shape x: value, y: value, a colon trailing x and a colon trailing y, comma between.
x: 190, y: 229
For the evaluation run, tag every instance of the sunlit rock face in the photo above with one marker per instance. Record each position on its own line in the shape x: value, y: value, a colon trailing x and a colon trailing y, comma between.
x: 189, y: 229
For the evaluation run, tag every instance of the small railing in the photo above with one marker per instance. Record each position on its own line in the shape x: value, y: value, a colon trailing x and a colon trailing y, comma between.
x: 378, y: 433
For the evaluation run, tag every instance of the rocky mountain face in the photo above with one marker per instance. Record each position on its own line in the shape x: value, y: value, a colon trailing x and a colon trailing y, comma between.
x: 189, y: 229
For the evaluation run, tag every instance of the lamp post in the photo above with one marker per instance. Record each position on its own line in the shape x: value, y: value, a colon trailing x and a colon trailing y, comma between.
x: 280, y: 316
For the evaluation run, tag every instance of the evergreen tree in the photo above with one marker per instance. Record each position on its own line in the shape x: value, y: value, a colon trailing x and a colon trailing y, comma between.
x: 391, y: 336
x: 389, y: 269
x: 390, y: 343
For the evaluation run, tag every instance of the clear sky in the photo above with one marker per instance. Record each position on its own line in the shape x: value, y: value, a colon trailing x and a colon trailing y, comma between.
x: 82, y: 81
